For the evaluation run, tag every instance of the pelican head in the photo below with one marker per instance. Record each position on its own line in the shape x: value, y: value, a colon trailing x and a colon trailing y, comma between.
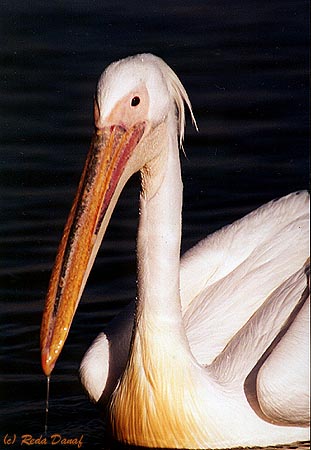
x: 138, y: 106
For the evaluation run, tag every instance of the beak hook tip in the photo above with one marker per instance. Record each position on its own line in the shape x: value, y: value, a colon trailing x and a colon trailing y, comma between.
x: 47, y: 362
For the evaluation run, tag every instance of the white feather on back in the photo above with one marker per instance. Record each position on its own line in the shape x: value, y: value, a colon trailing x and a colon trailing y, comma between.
x: 241, y: 264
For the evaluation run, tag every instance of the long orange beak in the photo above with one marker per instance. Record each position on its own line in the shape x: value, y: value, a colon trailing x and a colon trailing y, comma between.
x: 104, y: 175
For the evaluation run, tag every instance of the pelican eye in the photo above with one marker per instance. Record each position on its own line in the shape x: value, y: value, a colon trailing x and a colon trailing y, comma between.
x: 135, y: 101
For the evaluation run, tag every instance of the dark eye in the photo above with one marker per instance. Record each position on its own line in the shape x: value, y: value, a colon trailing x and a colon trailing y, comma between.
x: 135, y: 101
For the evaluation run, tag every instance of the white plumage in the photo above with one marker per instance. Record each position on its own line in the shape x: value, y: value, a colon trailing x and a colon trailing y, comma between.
x: 216, y: 355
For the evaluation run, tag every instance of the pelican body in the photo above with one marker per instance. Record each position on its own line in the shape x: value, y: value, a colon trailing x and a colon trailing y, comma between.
x: 214, y: 352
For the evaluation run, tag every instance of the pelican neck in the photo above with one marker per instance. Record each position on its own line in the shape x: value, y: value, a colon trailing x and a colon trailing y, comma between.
x: 159, y: 235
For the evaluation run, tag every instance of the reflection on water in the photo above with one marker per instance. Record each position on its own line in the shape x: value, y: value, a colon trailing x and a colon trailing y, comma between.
x: 244, y: 65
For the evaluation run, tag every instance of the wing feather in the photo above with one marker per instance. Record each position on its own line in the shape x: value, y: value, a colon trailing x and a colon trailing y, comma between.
x: 243, y: 264
x: 287, y: 369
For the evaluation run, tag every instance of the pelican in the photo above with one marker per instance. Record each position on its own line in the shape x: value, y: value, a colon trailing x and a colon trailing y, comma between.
x: 214, y: 352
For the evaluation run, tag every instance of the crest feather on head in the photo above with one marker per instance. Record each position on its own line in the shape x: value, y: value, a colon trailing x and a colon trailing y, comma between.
x: 180, y: 97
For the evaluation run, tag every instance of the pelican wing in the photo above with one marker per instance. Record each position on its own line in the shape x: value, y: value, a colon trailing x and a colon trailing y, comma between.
x: 288, y: 365
x: 270, y: 353
x: 105, y: 360
x: 229, y: 275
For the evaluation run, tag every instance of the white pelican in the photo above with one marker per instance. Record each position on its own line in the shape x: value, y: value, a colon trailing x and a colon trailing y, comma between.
x: 219, y: 350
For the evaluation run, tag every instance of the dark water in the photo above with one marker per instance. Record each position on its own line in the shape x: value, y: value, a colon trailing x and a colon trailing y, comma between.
x: 244, y: 65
